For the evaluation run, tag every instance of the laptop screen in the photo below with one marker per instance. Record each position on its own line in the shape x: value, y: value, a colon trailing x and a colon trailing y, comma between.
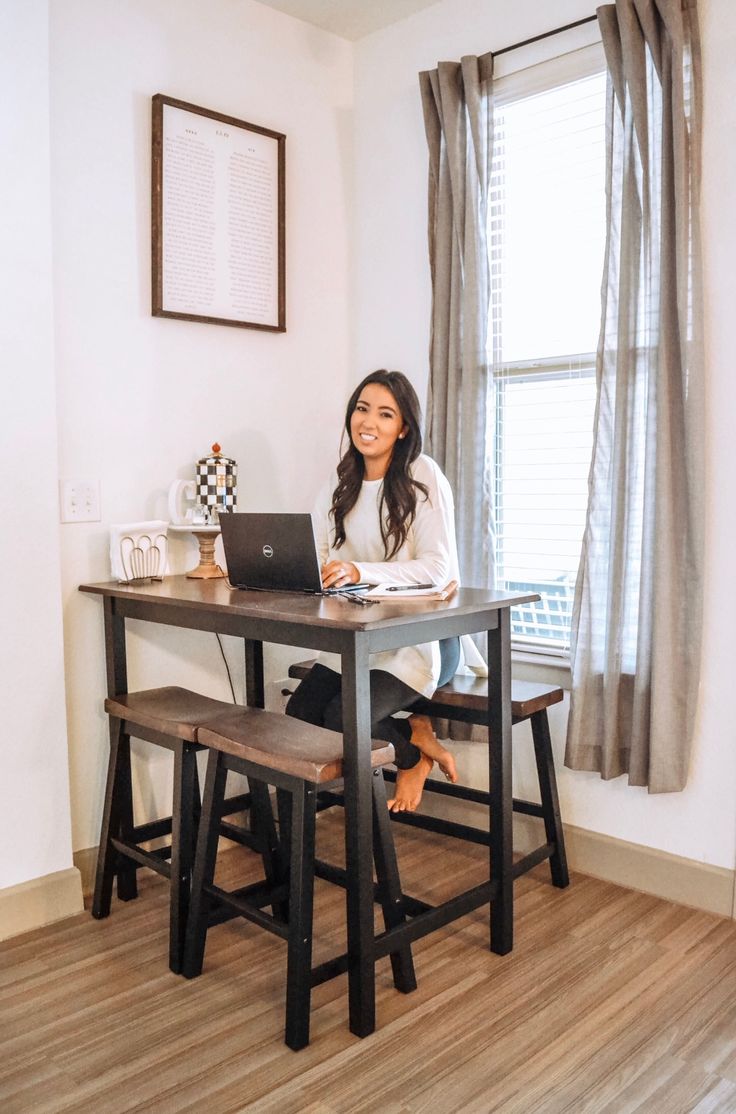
x: 275, y: 552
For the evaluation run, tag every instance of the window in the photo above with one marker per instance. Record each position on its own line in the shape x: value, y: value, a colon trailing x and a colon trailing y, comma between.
x: 547, y: 239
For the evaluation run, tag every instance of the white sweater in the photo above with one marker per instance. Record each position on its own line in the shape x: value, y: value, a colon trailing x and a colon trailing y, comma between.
x: 429, y: 555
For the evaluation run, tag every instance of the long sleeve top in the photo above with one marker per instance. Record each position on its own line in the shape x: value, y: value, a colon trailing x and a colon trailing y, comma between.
x: 428, y: 555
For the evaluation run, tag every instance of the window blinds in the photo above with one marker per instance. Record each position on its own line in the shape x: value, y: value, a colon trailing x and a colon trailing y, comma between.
x: 546, y: 235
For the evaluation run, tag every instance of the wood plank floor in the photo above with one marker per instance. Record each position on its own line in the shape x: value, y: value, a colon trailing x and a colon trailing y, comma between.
x: 611, y: 1001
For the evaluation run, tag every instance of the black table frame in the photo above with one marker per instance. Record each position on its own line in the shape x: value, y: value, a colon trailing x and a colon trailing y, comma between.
x: 336, y: 625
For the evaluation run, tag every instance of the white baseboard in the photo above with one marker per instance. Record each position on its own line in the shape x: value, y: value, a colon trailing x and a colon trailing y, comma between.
x: 659, y: 873
x: 685, y: 881
x: 86, y: 863
x: 40, y: 901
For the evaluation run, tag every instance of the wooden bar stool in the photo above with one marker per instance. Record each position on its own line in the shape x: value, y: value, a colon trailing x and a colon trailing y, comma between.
x: 298, y: 759
x: 465, y: 698
x: 167, y: 717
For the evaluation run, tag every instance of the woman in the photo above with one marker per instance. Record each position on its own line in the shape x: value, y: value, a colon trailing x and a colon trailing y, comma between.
x: 387, y: 517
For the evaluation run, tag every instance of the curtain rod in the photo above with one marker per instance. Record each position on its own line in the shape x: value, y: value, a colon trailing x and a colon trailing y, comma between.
x: 545, y: 35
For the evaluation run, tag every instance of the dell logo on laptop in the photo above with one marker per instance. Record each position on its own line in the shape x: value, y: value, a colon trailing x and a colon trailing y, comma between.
x: 268, y: 551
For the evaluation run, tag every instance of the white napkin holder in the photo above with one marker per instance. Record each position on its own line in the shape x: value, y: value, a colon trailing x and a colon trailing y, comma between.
x: 139, y: 551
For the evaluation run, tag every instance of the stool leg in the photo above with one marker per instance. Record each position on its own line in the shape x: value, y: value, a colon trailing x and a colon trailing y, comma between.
x: 301, y: 898
x: 283, y: 806
x: 107, y: 856
x: 196, y: 803
x: 204, y: 866
x: 263, y: 827
x: 550, y: 800
x: 182, y: 839
x: 127, y: 879
x: 389, y: 884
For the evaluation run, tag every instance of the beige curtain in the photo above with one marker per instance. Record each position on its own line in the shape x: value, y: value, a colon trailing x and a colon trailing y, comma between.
x: 638, y: 605
x: 456, y: 100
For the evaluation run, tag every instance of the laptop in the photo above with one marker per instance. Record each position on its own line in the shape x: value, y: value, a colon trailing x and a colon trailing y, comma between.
x: 272, y: 552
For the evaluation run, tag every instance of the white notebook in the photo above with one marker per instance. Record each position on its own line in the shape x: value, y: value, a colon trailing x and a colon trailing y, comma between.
x: 404, y: 592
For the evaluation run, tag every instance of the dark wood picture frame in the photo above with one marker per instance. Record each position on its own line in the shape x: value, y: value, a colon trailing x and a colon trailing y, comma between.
x: 185, y: 263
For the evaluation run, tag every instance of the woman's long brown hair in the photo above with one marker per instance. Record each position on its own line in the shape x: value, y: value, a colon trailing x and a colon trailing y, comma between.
x: 398, y: 503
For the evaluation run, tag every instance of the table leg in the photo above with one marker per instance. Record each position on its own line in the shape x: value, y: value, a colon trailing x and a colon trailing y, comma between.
x: 255, y: 697
x: 500, y: 780
x: 358, y: 837
x: 254, y: 688
x: 115, y: 654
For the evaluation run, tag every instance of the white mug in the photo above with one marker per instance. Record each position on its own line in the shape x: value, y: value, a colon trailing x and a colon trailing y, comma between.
x: 182, y: 498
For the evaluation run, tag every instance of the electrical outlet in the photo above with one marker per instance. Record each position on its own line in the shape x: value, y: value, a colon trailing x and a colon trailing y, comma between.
x: 80, y: 500
x: 277, y: 694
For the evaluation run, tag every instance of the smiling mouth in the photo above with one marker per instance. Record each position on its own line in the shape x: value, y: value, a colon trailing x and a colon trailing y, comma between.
x: 367, y: 437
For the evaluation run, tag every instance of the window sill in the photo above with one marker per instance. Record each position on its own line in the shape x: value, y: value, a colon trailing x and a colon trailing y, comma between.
x: 550, y: 668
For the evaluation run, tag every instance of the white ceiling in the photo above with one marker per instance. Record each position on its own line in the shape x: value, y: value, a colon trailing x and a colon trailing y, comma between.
x: 352, y: 19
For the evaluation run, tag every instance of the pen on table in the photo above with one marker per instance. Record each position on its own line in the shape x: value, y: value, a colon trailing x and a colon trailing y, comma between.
x: 408, y: 587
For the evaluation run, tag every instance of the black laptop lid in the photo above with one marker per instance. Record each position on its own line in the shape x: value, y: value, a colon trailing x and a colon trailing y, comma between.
x: 276, y: 552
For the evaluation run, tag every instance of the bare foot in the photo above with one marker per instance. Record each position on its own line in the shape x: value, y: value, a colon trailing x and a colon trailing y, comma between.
x: 424, y: 738
x: 409, y: 786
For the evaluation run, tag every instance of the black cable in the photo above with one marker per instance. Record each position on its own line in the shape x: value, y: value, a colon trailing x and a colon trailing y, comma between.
x: 227, y: 667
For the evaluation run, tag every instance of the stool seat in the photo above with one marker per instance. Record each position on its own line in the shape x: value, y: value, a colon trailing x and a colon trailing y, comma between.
x: 171, y: 710
x: 277, y: 742
x: 469, y: 694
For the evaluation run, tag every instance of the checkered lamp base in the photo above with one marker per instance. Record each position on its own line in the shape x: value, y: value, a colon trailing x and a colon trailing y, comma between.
x: 217, y: 485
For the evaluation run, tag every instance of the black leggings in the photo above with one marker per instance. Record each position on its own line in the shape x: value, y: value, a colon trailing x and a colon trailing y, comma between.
x: 318, y: 700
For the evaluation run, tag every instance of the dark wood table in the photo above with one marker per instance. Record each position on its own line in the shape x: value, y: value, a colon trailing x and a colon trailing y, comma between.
x: 334, y: 624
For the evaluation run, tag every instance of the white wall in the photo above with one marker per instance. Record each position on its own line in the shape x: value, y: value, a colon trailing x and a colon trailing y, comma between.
x: 392, y: 303
x: 34, y: 804
x: 141, y: 398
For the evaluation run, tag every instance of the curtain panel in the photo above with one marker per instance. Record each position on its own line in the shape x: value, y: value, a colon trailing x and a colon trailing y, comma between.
x: 637, y: 616
x: 456, y: 101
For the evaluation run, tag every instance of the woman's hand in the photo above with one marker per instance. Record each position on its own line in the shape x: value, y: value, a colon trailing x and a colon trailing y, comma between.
x: 336, y: 574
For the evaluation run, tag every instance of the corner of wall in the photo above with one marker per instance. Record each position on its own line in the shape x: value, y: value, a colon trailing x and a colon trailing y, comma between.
x: 39, y: 902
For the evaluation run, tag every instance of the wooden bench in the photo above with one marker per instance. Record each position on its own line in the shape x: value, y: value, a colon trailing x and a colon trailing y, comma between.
x: 465, y: 699
x: 298, y: 759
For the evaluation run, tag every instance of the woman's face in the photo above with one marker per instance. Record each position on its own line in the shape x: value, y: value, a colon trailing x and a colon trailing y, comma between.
x: 375, y: 426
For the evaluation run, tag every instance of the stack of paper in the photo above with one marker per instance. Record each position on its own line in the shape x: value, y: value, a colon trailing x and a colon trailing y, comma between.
x: 395, y: 593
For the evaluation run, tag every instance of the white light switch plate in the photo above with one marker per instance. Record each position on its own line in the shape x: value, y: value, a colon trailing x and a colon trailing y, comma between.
x: 79, y: 500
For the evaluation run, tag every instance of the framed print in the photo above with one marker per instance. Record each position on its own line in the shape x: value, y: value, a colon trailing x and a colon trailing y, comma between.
x: 217, y: 218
